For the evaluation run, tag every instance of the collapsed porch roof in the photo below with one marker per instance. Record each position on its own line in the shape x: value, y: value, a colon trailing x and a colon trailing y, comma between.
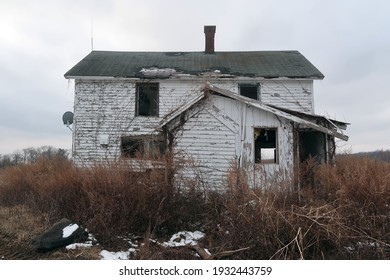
x: 297, y: 117
x: 315, y: 118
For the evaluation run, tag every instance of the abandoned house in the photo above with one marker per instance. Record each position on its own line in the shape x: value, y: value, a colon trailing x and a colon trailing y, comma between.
x: 211, y: 109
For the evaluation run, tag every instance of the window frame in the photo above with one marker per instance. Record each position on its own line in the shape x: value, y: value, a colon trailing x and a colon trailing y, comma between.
x: 144, y: 146
x: 257, y: 132
x: 250, y: 85
x: 137, y: 99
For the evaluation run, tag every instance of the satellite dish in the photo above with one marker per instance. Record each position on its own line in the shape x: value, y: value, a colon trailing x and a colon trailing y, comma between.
x: 67, y: 118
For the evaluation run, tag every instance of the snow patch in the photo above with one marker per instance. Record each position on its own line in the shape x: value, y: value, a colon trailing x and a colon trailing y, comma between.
x: 91, y: 241
x: 87, y: 244
x: 67, y: 231
x: 184, y: 238
x: 79, y: 245
x: 121, y: 255
x: 107, y: 255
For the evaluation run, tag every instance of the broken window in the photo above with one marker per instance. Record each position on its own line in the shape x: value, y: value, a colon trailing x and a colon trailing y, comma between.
x: 147, y: 99
x: 141, y: 146
x: 266, y: 145
x: 131, y: 147
x: 250, y: 91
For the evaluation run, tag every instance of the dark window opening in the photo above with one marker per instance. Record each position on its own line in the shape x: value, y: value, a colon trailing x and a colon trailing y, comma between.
x: 131, y: 147
x: 265, y: 145
x: 250, y: 91
x: 143, y: 147
x: 147, y: 99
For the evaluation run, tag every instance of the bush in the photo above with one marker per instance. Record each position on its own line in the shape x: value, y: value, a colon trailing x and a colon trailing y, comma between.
x: 342, y: 211
x: 109, y: 200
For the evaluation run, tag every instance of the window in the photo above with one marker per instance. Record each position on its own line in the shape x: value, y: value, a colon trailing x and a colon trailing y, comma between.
x: 265, y: 145
x: 142, y: 146
x: 131, y: 147
x: 147, y: 99
x: 250, y: 90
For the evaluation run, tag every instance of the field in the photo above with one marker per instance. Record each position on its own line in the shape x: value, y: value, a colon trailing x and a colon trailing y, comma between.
x: 340, y: 212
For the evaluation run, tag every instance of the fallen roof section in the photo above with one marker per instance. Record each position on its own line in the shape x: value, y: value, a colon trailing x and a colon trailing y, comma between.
x: 315, y: 118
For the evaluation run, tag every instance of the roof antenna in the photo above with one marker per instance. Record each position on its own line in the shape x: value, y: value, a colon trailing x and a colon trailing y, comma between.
x: 91, y: 33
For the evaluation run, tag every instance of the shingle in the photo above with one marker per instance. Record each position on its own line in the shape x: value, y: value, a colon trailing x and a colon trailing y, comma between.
x: 267, y: 64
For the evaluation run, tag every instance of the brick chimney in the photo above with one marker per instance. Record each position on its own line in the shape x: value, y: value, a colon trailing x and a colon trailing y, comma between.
x: 209, y: 31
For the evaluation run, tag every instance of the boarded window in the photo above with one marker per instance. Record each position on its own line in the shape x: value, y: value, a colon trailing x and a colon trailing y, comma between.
x: 266, y: 150
x: 147, y: 99
x: 145, y: 147
x: 250, y: 90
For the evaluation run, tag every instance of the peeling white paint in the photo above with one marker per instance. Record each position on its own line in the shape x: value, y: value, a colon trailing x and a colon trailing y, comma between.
x: 212, y: 137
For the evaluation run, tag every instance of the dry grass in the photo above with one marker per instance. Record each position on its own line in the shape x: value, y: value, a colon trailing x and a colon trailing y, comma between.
x: 19, y: 226
x: 108, y: 200
x: 342, y: 211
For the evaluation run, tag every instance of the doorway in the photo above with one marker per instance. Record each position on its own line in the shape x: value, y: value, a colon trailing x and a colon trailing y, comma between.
x: 312, y: 145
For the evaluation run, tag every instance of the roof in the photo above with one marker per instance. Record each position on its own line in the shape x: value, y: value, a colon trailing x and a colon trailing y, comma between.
x: 314, y: 117
x: 266, y: 64
x: 287, y: 114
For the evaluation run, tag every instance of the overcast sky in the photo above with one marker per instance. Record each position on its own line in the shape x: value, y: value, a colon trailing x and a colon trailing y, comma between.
x: 348, y: 41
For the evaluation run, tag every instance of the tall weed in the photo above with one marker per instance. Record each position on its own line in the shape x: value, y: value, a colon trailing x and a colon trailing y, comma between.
x: 341, y: 211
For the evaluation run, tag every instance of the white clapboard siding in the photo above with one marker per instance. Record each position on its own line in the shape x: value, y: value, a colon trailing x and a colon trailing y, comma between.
x: 209, y: 144
x: 212, y: 138
x: 107, y: 107
x: 101, y: 108
x: 291, y: 94
x: 174, y: 93
x: 249, y: 118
